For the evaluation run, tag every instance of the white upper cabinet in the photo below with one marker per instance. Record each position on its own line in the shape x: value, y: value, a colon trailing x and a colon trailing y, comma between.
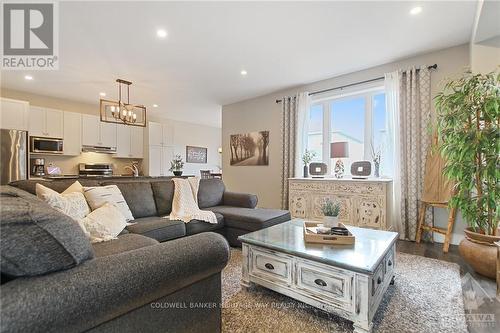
x: 161, y: 134
x: 45, y: 122
x: 37, y: 121
x: 72, y: 133
x: 129, y: 141
x: 97, y: 133
x: 108, y: 134
x: 122, y: 141
x: 54, y: 120
x: 90, y: 130
x: 13, y: 114
x: 136, y: 142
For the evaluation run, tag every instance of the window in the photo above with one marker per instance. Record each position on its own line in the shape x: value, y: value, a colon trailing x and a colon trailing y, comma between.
x: 315, y: 132
x: 359, y: 119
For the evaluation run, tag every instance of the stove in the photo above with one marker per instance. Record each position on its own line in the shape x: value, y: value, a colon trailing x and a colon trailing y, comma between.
x: 95, y: 170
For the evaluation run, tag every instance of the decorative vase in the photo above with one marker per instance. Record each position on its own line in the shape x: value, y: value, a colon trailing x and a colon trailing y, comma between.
x: 330, y: 221
x: 480, y: 252
x: 377, y: 170
x: 339, y: 169
x: 177, y: 173
x: 306, y: 171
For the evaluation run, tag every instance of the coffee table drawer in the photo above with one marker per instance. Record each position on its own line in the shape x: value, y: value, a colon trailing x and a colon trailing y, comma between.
x: 271, y: 266
x: 325, y: 282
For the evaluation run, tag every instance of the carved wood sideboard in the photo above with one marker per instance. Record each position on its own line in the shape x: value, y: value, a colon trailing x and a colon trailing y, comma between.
x: 363, y: 202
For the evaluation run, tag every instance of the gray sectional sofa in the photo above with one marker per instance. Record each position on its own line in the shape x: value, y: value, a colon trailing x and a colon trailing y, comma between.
x: 147, y: 280
x: 150, y: 199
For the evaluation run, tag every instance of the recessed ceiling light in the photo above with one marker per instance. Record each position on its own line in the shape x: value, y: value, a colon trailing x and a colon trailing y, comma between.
x: 161, y: 33
x: 102, y: 94
x: 416, y: 10
x: 28, y: 77
x: 243, y: 72
x: 155, y: 105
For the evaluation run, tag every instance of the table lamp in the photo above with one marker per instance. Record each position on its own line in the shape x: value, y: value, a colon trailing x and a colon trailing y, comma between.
x: 339, y: 150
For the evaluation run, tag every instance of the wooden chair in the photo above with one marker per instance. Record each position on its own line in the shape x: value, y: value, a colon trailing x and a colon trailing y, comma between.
x: 206, y: 174
x: 437, y: 192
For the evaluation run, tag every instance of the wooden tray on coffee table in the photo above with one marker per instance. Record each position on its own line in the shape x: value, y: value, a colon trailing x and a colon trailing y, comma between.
x: 310, y: 237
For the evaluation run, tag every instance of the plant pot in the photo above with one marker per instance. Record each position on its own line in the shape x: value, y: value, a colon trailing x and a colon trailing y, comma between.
x: 330, y: 221
x: 306, y: 171
x: 177, y: 173
x: 480, y: 252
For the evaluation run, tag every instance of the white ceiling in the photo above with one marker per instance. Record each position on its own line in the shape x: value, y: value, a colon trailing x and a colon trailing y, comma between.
x: 196, y: 69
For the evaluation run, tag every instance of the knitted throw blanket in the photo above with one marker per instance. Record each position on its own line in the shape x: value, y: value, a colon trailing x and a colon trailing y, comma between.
x: 185, y: 202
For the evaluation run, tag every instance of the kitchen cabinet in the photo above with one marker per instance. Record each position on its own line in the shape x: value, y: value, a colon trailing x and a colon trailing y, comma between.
x: 45, y: 122
x: 161, y: 134
x: 72, y: 133
x: 129, y: 141
x: 97, y: 133
x: 159, y: 160
x: 14, y: 114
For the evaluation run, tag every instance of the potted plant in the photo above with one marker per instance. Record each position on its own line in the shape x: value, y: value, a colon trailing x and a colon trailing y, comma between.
x: 331, y: 212
x: 176, y: 165
x: 306, y: 159
x: 469, y: 134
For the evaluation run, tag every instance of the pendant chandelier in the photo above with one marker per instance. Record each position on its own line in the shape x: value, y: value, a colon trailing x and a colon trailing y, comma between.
x: 121, y: 112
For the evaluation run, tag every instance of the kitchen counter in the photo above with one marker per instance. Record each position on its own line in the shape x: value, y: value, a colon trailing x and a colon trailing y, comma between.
x: 107, y: 177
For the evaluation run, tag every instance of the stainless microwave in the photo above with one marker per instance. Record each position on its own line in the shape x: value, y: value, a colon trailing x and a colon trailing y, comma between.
x: 46, y: 145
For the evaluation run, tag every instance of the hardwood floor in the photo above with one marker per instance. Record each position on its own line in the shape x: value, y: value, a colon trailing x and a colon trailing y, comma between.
x: 486, y: 317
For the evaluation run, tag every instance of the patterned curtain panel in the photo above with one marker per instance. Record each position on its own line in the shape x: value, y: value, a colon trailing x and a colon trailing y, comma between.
x: 414, y: 117
x: 289, y: 132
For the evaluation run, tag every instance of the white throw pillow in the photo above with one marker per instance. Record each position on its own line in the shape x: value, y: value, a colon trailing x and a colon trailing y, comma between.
x: 75, y: 187
x: 104, y: 223
x: 72, y: 204
x: 99, y: 195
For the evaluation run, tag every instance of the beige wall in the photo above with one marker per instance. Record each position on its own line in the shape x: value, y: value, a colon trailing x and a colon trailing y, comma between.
x: 262, y: 113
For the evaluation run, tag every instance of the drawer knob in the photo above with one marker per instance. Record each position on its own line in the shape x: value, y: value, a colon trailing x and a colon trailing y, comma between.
x: 269, y: 266
x: 389, y: 263
x: 379, y: 280
x: 320, y: 282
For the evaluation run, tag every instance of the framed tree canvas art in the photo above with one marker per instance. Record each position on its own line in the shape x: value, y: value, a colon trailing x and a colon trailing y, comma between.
x: 250, y: 148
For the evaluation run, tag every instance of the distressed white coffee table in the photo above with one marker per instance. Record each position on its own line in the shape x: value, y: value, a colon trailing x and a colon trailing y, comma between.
x: 347, y: 280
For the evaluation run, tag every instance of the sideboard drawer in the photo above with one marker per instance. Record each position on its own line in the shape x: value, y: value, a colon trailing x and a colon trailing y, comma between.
x: 271, y: 266
x: 325, y: 283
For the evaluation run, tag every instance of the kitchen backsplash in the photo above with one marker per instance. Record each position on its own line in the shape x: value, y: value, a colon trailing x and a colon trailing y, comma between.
x: 69, y: 164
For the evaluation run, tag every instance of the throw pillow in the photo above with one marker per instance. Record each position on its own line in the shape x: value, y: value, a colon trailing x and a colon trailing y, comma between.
x: 37, y: 239
x: 69, y: 202
x: 104, y: 223
x: 75, y: 187
x: 100, y: 195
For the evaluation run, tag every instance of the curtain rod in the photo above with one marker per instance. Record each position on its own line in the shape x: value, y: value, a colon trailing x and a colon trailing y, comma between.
x: 353, y: 84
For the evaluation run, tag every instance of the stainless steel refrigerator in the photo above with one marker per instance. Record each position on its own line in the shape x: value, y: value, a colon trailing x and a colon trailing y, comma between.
x: 13, y: 155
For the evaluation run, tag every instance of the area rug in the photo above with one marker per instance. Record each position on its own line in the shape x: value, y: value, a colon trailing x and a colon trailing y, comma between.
x: 426, y: 297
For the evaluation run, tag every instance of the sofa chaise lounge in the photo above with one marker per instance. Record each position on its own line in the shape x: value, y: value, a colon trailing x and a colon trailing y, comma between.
x: 147, y: 280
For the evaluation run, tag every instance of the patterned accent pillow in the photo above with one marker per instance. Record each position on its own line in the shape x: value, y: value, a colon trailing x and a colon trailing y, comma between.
x: 72, y: 204
x: 99, y: 195
x: 104, y: 223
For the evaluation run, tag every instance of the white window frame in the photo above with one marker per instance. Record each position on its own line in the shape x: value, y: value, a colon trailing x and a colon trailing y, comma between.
x: 325, y: 102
